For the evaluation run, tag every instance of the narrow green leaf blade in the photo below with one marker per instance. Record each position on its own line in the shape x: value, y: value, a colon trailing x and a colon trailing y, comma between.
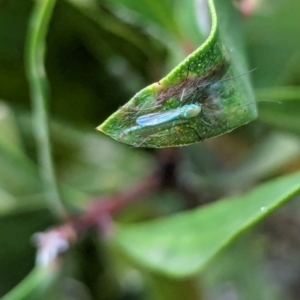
x: 34, y: 286
x: 210, y: 78
x: 156, y: 12
x: 183, y: 244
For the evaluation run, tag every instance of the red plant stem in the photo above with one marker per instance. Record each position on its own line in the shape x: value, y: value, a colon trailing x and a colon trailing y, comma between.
x: 113, y: 204
x: 99, y: 211
x: 164, y: 176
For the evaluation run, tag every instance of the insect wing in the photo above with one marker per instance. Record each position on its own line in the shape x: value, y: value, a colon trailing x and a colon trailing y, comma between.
x: 158, y: 118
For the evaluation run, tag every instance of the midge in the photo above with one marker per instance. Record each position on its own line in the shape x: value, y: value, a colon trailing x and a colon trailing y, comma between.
x: 172, y: 116
x: 187, y: 111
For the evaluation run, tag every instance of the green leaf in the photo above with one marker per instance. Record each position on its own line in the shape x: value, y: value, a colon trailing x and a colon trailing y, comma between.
x: 18, y: 175
x: 156, y: 12
x: 284, y: 112
x: 259, y: 164
x: 16, y: 252
x: 271, y: 37
x: 192, y: 21
x: 33, y: 286
x: 183, y: 244
x: 202, y: 97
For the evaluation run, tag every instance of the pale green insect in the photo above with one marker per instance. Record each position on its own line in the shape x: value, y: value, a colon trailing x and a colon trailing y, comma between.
x: 171, y: 116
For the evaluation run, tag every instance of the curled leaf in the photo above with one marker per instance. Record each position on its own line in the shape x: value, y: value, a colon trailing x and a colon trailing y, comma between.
x: 207, y: 95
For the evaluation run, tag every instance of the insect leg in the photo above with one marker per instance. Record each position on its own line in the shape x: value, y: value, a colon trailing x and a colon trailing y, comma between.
x: 199, y: 136
x: 207, y: 124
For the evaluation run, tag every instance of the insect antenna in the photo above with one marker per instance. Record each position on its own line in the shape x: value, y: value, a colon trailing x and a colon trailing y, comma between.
x: 231, y: 78
x: 205, y: 84
x: 247, y: 104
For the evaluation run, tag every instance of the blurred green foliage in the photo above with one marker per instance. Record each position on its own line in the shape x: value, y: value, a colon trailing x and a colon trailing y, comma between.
x: 99, y: 53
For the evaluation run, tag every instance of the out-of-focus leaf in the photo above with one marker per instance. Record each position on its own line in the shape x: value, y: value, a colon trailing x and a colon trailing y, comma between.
x: 7, y: 201
x: 194, y: 20
x: 280, y: 95
x: 18, y: 175
x: 158, y: 12
x: 248, y: 277
x: 92, y: 10
x: 182, y: 245
x: 13, y: 22
x: 34, y: 286
x: 272, y: 42
x: 202, y: 80
x: 201, y: 171
x: 16, y: 251
x: 19, y: 182
x: 9, y: 133
x: 284, y: 112
x: 259, y: 164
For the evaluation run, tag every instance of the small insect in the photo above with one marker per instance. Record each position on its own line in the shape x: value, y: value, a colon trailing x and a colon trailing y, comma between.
x: 185, y: 112
x: 171, y: 116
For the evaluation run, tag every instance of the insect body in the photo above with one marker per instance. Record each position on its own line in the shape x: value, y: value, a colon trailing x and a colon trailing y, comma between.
x: 165, y: 119
x: 184, y: 112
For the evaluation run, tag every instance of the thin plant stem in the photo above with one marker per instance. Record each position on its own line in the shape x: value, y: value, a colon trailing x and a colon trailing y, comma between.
x: 39, y: 91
